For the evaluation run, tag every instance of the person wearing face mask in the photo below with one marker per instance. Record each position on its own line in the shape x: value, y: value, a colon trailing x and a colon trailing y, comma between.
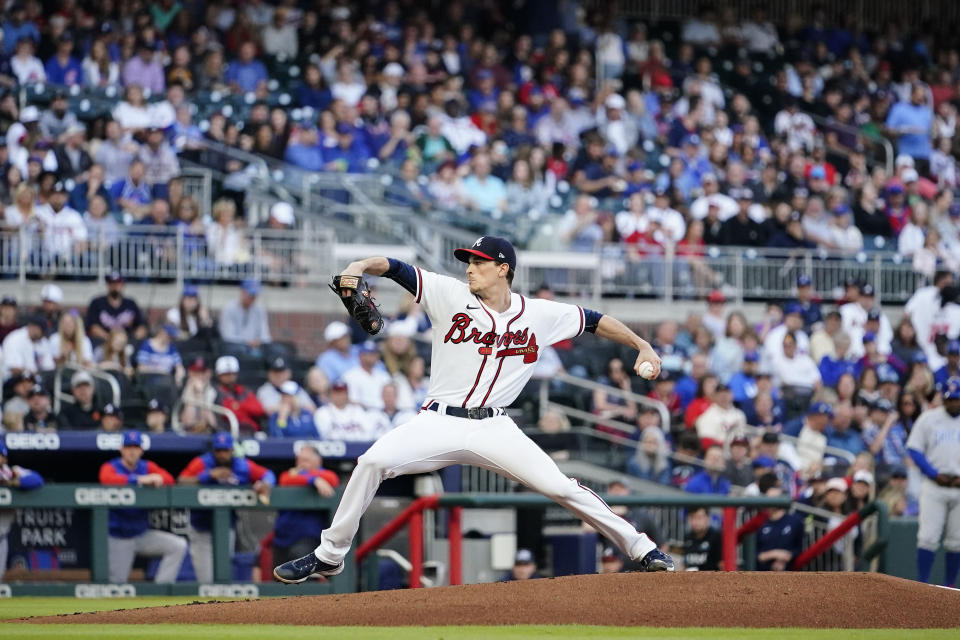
x: 115, y: 311
x: 934, y: 446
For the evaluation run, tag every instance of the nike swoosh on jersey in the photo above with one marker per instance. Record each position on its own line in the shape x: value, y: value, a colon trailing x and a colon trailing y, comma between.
x: 472, y: 308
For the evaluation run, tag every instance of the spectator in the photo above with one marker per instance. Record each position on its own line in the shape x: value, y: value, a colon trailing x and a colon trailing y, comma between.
x: 157, y: 417
x: 246, y: 74
x: 710, y: 480
x: 144, y: 70
x: 133, y: 194
x: 116, y: 153
x: 780, y: 539
x: 728, y: 354
x: 884, y: 434
x: 12, y: 477
x: 524, y: 567
x: 99, y: 69
x: 340, y: 420
x: 84, y: 192
x: 412, y: 384
x: 289, y: 419
x: 811, y: 436
x: 8, y: 316
x: 82, y: 413
x: 651, y: 460
x: 40, y: 418
x: 855, y: 316
x: 841, y: 433
x: 296, y: 532
x: 197, y: 392
x: 70, y: 345
x: 280, y: 36
x: 113, y: 311
x: 611, y: 561
x: 68, y: 158
x: 340, y: 355
x: 159, y: 356
x: 58, y: 119
x: 313, y: 92
x: 911, y: 122
x: 227, y: 241
x: 722, y: 420
x: 702, y: 544
x: 391, y: 415
x: 614, y: 406
x: 244, y: 321
x: 796, y: 374
x: 236, y: 397
x: 190, y: 317
x: 160, y: 163
x: 270, y: 393
x: 483, y: 191
x: 793, y: 325
x: 133, y: 114
x: 739, y: 469
x: 114, y: 355
x: 366, y: 380
x: 26, y: 67
x: 129, y: 529
x: 579, y: 226
x: 63, y: 68
x: 64, y: 233
x: 219, y: 467
x: 701, y: 401
x: 27, y: 350
x: 715, y: 319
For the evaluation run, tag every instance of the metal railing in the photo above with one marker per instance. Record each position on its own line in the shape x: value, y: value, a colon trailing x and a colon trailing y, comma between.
x: 59, y: 395
x: 295, y: 257
x: 228, y: 414
x: 592, y: 418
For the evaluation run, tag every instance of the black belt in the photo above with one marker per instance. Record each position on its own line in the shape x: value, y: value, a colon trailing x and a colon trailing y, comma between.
x: 476, y: 413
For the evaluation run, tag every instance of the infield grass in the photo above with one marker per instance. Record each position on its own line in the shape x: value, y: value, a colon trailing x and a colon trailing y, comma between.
x: 21, y: 607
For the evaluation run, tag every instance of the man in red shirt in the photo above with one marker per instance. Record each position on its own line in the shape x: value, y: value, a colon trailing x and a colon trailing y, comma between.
x: 242, y: 401
x: 296, y: 532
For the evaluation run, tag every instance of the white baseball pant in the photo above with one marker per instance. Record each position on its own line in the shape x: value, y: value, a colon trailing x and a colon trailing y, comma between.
x: 151, y: 542
x: 201, y: 553
x: 939, y: 510
x: 431, y: 441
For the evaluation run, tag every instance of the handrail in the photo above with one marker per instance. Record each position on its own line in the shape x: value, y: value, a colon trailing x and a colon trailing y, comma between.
x: 566, y: 378
x: 59, y: 393
x: 832, y: 451
x: 205, y: 406
x: 852, y: 520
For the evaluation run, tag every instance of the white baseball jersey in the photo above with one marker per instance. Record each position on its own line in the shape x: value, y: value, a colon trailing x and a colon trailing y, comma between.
x: 853, y: 319
x: 350, y: 423
x: 936, y: 435
x: 929, y: 319
x: 487, y: 357
x: 382, y: 422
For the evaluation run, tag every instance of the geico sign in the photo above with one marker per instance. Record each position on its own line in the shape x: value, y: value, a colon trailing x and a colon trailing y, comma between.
x: 5, y: 591
x: 33, y: 441
x: 104, y: 591
x: 6, y: 497
x: 105, y: 495
x: 113, y: 441
x: 227, y: 498
x: 251, y: 448
x: 229, y: 591
x: 326, y: 448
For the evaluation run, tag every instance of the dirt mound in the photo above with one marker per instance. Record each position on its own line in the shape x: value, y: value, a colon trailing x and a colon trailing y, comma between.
x: 848, y: 600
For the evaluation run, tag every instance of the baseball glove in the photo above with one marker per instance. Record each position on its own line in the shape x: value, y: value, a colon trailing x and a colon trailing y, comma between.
x: 355, y: 295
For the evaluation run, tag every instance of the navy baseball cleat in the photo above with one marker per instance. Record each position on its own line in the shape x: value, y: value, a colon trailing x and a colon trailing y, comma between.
x: 297, y: 571
x: 656, y: 560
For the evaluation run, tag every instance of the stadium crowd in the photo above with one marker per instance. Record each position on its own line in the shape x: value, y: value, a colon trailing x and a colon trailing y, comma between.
x: 725, y: 131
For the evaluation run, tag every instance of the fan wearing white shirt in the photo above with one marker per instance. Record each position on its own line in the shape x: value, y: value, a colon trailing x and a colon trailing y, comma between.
x: 341, y: 420
x: 391, y: 415
x: 854, y: 317
x: 27, y: 350
x: 366, y: 381
x: 792, y: 324
x: 63, y: 229
x: 711, y: 195
x: 794, y: 369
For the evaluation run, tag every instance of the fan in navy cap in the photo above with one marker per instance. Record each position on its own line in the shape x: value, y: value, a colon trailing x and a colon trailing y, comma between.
x: 952, y: 367
x: 808, y: 302
x: 856, y: 319
x: 8, y: 316
x: 158, y: 415
x: 810, y: 433
x: 115, y: 311
x: 220, y: 466
x: 130, y: 534
x: 524, y: 567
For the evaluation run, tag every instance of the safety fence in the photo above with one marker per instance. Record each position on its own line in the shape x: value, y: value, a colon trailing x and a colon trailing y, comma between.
x: 99, y: 499
x: 295, y: 257
x: 740, y: 518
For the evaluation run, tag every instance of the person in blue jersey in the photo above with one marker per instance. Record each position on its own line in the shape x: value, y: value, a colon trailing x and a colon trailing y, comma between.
x: 129, y: 529
x: 291, y: 420
x: 296, y: 532
x: 219, y: 467
x: 15, y: 477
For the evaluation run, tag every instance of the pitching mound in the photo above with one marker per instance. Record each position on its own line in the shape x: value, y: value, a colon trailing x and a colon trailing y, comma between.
x: 851, y: 600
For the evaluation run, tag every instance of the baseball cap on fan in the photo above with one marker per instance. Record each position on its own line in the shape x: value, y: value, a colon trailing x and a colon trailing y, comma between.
x: 489, y: 248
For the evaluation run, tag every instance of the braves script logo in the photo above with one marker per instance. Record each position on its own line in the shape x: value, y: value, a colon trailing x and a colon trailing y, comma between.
x: 515, y: 343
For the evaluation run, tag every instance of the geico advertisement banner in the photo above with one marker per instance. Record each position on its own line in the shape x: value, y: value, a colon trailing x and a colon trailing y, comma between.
x: 229, y: 591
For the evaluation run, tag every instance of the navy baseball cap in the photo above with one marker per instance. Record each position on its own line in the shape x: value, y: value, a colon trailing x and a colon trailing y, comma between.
x: 189, y: 290
x: 886, y: 373
x: 953, y: 348
x: 156, y: 405
x: 866, y: 289
x: 869, y: 336
x: 873, y: 314
x: 820, y: 408
x: 751, y: 356
x: 3, y: 448
x: 111, y: 409
x: 952, y: 388
x: 524, y: 556
x: 278, y: 364
x: 882, y: 404
x: 793, y: 307
x: 222, y: 441
x: 804, y: 280
x: 489, y: 248
x: 132, y: 439
x: 764, y: 462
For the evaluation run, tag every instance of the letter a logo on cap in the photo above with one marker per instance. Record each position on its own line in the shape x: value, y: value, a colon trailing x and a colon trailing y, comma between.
x: 479, y: 240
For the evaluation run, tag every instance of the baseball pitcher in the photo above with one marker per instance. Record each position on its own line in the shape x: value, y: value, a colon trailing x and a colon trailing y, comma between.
x: 486, y: 340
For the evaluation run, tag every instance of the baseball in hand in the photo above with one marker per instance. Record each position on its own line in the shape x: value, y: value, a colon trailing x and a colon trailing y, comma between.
x: 645, y: 370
